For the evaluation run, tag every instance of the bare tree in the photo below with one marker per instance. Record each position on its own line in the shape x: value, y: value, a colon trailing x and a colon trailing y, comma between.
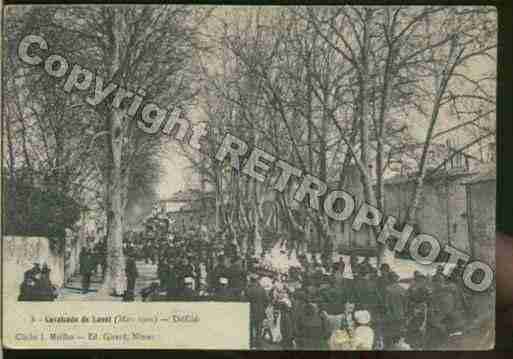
x: 146, y: 50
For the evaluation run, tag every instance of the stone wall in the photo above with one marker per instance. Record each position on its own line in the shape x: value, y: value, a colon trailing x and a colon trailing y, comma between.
x: 482, y: 219
x: 19, y: 254
x: 441, y: 212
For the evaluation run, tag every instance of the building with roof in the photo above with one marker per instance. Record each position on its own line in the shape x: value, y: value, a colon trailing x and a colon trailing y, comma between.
x: 481, y: 192
x: 189, y: 208
x: 442, y: 209
x: 448, y: 207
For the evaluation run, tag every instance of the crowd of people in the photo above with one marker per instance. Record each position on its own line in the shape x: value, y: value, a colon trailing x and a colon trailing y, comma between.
x: 351, y: 306
x: 37, y: 286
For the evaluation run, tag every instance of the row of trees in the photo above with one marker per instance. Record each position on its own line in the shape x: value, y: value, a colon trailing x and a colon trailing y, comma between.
x: 323, y: 88
x: 96, y: 155
x: 328, y: 88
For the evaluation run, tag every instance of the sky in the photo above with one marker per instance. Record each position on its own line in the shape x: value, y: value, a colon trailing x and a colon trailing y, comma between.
x: 175, y: 176
x: 178, y: 176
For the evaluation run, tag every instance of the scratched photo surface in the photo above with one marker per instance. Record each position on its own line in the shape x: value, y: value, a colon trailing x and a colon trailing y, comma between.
x: 249, y: 177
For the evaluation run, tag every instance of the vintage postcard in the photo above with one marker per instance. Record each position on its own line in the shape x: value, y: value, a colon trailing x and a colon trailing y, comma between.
x: 248, y: 177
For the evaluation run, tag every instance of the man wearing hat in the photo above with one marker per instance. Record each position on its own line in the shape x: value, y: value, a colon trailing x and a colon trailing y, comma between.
x: 220, y: 271
x: 183, y: 270
x: 86, y: 268
x: 34, y: 271
x: 237, y: 276
x: 224, y: 293
x: 258, y: 301
x: 102, y: 253
x: 163, y: 270
x: 365, y: 267
x: 44, y: 289
x: 385, y: 275
x: 395, y: 298
x: 188, y: 293
x: 418, y: 298
x: 318, y: 275
x: 131, y: 274
x: 333, y: 298
x: 419, y: 290
x: 312, y: 330
x: 27, y: 292
x: 446, y: 314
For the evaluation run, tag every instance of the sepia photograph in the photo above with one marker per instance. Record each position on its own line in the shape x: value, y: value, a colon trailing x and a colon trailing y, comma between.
x: 334, y: 167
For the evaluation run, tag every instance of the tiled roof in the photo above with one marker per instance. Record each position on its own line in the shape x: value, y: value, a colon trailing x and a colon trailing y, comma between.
x: 452, y: 173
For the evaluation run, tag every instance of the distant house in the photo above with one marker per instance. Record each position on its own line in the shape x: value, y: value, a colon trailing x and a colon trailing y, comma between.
x: 481, y: 198
x: 443, y: 208
x: 457, y: 207
x: 189, y: 208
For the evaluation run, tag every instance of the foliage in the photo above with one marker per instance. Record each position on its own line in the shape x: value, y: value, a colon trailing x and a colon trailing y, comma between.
x: 37, y: 211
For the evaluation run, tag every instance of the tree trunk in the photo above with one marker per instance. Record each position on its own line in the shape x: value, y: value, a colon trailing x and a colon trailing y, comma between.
x: 365, y: 119
x: 421, y: 173
x: 115, y: 277
x: 219, y: 197
x: 257, y: 236
x: 441, y: 80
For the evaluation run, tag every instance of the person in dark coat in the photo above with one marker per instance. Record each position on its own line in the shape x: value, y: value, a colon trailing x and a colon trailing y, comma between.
x: 419, y: 291
x: 43, y: 290
x: 312, y: 330
x: 220, y: 271
x: 196, y: 264
x: 318, y: 275
x: 385, y: 277
x: 445, y: 314
x: 365, y: 267
x: 395, y: 298
x: 188, y: 293
x: 34, y: 271
x: 230, y: 248
x: 224, y: 293
x: 258, y: 302
x: 171, y: 286
x: 96, y: 254
x: 103, y: 256
x: 131, y: 274
x: 237, y: 277
x: 27, y: 292
x: 355, y: 266
x: 418, y: 298
x: 338, y: 272
x: 163, y: 271
x: 48, y: 290
x: 147, y: 253
x: 183, y: 270
x: 287, y: 328
x: 370, y: 298
x: 86, y: 268
x: 333, y: 298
